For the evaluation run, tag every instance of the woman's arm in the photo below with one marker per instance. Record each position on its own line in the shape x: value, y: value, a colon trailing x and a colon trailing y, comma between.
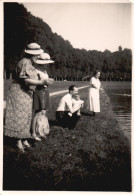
x: 85, y: 78
x: 35, y: 82
x: 94, y: 84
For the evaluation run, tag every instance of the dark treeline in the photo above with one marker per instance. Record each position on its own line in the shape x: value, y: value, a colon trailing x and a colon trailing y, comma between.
x: 22, y: 28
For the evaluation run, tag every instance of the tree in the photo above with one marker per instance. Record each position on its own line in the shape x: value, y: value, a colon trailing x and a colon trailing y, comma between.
x: 21, y: 28
x: 120, y: 48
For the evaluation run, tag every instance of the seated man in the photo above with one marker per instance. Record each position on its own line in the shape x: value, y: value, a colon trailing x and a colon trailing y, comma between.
x: 65, y: 108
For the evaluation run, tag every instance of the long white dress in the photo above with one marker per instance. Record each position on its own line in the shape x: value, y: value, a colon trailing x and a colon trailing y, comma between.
x: 93, y: 95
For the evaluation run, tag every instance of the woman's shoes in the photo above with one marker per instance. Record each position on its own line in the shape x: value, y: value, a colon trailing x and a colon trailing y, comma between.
x: 36, y: 138
x: 26, y: 144
x: 20, y: 148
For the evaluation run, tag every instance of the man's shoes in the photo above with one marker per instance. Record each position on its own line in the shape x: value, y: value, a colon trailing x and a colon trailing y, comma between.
x: 94, y: 114
x: 70, y: 114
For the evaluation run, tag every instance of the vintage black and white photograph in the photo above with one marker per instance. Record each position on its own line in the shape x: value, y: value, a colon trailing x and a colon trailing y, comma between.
x: 67, y: 103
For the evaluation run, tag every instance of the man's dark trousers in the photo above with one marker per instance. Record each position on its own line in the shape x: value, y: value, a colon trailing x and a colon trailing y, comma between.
x: 67, y: 121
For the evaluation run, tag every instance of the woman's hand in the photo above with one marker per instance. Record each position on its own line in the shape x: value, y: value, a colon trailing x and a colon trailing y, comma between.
x: 39, y: 82
x: 44, y: 82
x: 35, y: 82
x: 101, y: 89
x: 50, y: 81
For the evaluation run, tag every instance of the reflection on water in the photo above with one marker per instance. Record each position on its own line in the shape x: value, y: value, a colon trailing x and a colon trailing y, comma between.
x: 123, y: 94
x: 121, y: 101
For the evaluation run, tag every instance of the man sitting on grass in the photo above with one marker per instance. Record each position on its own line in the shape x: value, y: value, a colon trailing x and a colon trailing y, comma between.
x: 66, y: 115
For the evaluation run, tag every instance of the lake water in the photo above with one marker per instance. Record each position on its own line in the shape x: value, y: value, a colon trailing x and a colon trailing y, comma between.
x: 120, y: 96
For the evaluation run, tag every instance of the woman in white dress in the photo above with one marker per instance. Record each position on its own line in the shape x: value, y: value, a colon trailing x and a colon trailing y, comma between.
x: 93, y: 93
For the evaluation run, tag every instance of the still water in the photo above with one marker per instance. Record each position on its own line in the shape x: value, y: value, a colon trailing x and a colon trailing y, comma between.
x: 120, y: 96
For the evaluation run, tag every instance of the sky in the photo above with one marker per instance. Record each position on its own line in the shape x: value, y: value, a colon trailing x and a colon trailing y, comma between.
x: 92, y: 26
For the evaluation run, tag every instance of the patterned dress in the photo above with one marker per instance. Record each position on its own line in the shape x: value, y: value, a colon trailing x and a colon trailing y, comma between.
x: 20, y: 101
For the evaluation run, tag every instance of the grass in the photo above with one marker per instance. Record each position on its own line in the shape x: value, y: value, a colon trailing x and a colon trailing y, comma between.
x: 56, y: 86
x: 63, y: 85
x: 95, y: 156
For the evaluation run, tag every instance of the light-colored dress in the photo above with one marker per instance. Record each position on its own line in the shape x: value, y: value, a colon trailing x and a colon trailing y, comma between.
x: 19, y: 102
x: 93, y: 95
x: 77, y: 104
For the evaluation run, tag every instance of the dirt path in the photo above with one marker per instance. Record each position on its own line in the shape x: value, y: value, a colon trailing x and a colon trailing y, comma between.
x: 64, y: 91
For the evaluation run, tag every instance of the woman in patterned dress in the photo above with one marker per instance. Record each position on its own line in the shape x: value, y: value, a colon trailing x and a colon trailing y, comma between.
x: 93, y: 95
x: 20, y: 98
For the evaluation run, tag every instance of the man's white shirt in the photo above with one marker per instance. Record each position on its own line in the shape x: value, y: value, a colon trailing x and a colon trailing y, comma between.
x: 65, y: 103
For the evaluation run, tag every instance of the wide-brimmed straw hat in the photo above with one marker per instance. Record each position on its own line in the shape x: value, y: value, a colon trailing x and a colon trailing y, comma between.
x: 44, y: 58
x: 33, y: 49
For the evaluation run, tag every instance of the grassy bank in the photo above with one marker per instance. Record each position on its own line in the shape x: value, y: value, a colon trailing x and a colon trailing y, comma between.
x: 95, y: 156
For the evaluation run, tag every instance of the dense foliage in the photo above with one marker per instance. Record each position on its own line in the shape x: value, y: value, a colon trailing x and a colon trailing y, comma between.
x: 21, y: 28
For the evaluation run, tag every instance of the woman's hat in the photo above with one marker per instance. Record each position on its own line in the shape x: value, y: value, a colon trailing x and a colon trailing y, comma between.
x: 34, y: 49
x: 44, y: 58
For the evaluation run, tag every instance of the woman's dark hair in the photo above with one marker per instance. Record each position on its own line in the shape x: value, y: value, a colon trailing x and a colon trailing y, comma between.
x: 26, y: 55
x: 95, y: 72
x: 71, y: 88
